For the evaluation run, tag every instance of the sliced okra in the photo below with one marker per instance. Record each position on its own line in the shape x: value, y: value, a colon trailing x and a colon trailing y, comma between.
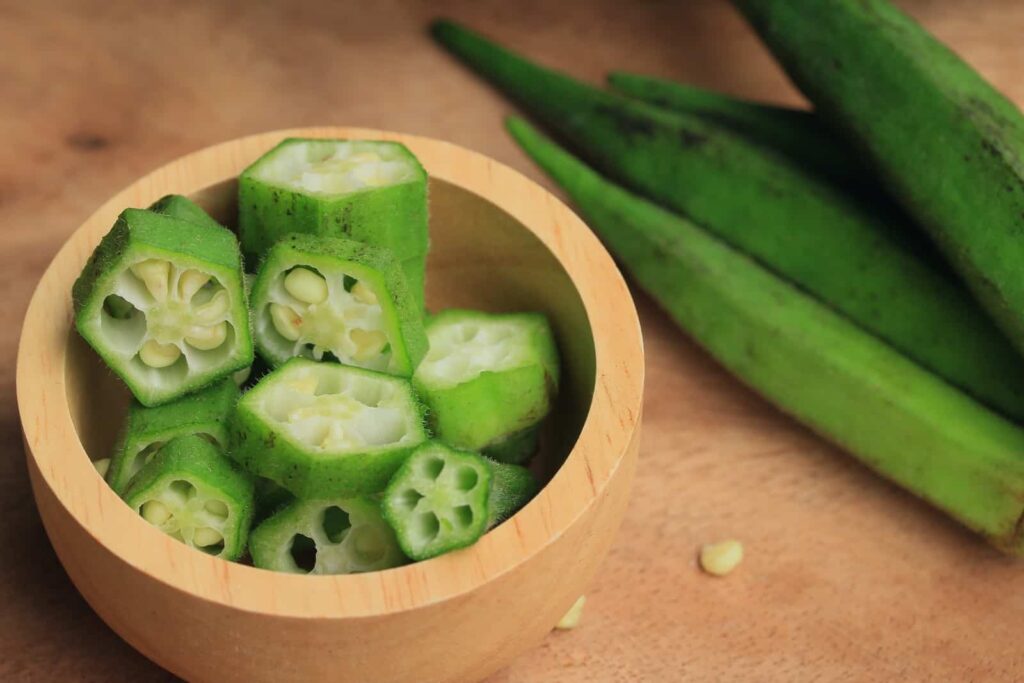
x: 336, y: 298
x: 438, y: 500
x: 161, y: 301
x: 193, y: 493
x: 517, y: 448
x: 487, y: 377
x: 512, y: 487
x: 334, y: 536
x: 147, y: 430
x: 370, y: 191
x: 177, y: 206
x: 270, y: 497
x: 323, y: 430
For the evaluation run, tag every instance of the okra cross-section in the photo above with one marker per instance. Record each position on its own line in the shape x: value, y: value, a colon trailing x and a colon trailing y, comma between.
x: 438, y: 501
x: 161, y: 300
x: 336, y: 298
x: 147, y: 430
x: 193, y: 493
x: 335, y: 536
x: 370, y: 191
x: 488, y: 379
x: 323, y: 430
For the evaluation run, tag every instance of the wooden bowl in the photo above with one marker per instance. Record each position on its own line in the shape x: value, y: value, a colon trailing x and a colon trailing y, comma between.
x: 500, y: 242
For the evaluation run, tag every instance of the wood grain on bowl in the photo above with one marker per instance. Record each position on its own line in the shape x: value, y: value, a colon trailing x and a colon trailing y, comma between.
x: 500, y: 242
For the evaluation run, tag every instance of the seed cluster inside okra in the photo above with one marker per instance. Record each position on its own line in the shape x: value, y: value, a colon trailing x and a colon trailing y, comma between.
x: 296, y: 406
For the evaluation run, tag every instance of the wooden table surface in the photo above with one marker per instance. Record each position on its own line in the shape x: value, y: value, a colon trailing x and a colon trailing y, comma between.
x: 846, y: 577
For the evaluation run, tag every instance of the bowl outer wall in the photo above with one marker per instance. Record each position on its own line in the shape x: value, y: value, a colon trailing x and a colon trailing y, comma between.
x: 464, y: 614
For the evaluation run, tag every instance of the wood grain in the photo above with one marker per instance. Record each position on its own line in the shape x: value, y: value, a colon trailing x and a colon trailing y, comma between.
x: 846, y: 578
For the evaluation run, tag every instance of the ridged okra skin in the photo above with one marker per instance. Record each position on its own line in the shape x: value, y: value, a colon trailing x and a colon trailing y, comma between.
x: 948, y: 145
x: 147, y: 430
x: 318, y: 295
x: 894, y: 416
x: 487, y: 376
x: 517, y: 448
x: 192, y: 492
x: 331, y: 536
x: 178, y: 206
x: 857, y: 257
x: 161, y: 301
x: 370, y: 191
x: 437, y: 501
x: 323, y: 430
x: 512, y: 487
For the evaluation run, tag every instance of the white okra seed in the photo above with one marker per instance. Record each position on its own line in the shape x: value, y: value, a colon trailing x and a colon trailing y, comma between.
x: 217, y: 507
x: 719, y: 559
x: 286, y: 321
x: 190, y: 282
x: 157, y: 355
x: 156, y: 275
x: 368, y: 343
x: 155, y: 512
x: 364, y: 294
x: 207, y: 338
x: 102, y: 465
x: 205, y: 536
x: 214, y: 309
x: 306, y: 286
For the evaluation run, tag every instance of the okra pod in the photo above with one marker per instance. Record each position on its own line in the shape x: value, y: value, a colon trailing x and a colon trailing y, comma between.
x: 487, y: 376
x: 948, y: 145
x: 370, y: 191
x: 857, y: 257
x: 161, y: 301
x: 177, y: 206
x: 323, y: 297
x: 147, y: 430
x: 512, y: 487
x: 323, y: 430
x: 193, y: 493
x: 852, y: 388
x: 333, y: 536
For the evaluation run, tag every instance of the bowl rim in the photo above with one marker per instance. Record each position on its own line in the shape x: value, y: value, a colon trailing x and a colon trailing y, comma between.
x: 57, y: 456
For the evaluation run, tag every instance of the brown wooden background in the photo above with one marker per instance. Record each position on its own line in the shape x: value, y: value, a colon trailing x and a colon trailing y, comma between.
x: 846, y: 578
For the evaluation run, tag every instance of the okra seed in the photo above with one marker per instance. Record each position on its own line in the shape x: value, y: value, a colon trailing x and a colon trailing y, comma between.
x: 368, y: 343
x: 205, y: 536
x: 286, y: 321
x: 157, y: 355
x: 214, y: 309
x: 306, y: 286
x: 217, y: 508
x: 363, y: 294
x: 156, y: 275
x: 190, y: 282
x: 719, y: 559
x: 572, y: 618
x: 102, y: 466
x: 207, y: 338
x: 155, y: 512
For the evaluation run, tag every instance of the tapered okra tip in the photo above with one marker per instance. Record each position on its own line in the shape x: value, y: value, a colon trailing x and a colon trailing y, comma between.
x: 442, y: 29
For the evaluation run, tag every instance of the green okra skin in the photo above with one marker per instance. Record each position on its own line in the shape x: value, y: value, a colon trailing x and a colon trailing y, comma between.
x: 161, y: 301
x: 487, y: 376
x: 320, y: 297
x: 516, y: 449
x: 178, y: 206
x: 855, y: 256
x: 329, y: 536
x: 192, y: 492
x: 438, y: 501
x: 370, y: 191
x: 512, y: 487
x: 147, y: 430
x: 270, y: 497
x: 323, y: 430
x: 800, y: 134
x: 894, y: 416
x: 948, y: 145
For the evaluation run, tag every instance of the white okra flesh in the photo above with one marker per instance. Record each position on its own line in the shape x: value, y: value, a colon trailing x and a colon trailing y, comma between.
x: 461, y: 351
x: 313, y: 313
x: 336, y: 167
x: 168, y: 321
x: 189, y: 512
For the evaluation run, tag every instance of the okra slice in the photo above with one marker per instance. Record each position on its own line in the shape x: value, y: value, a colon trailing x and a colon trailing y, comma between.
x: 270, y: 497
x: 335, y: 298
x: 323, y: 430
x: 512, y: 487
x: 178, y: 206
x: 193, y: 493
x: 371, y: 191
x: 335, y: 536
x: 487, y: 376
x: 147, y: 430
x: 438, y: 500
x: 517, y: 448
x: 161, y: 301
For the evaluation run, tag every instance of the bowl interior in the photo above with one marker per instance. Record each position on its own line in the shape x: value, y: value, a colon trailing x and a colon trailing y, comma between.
x: 480, y: 258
